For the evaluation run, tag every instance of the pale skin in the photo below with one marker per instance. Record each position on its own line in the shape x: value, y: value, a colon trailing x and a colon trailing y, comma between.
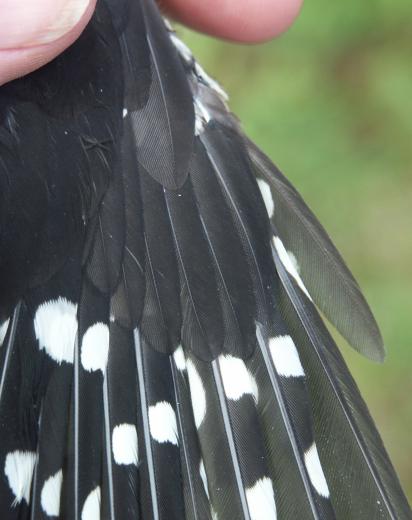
x: 33, y: 32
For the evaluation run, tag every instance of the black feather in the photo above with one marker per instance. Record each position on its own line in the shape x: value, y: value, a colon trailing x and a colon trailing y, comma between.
x: 121, y: 400
x: 197, y: 506
x: 106, y: 255
x: 362, y: 480
x: 202, y: 327
x: 230, y: 163
x: 162, y: 320
x: 164, y: 145
x: 128, y: 299
x: 130, y: 26
x: 323, y: 270
x: 235, y: 283
x: 293, y: 402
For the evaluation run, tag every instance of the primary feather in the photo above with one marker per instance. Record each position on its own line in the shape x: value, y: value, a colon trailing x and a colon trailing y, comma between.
x: 161, y: 357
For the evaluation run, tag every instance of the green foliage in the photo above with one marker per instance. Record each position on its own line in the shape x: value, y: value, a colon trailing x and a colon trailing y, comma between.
x: 330, y: 102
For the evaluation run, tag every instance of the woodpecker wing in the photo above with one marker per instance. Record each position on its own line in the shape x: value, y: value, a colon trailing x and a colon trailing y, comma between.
x: 161, y: 357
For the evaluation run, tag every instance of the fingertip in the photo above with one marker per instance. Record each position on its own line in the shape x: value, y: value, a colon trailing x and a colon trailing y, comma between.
x: 246, y: 21
x: 283, y: 17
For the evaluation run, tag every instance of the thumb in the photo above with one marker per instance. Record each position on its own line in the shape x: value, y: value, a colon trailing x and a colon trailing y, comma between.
x: 34, y: 32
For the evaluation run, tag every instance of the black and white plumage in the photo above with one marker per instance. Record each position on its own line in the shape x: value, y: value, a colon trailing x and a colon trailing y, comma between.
x: 162, y: 358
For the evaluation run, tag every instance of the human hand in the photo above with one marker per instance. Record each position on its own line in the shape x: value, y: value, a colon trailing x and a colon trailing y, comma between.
x: 34, y: 32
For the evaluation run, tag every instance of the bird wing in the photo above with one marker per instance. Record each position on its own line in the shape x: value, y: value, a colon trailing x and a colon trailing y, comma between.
x: 162, y: 353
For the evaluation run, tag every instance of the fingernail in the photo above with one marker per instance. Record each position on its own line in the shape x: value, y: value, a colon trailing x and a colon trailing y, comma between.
x: 25, y: 23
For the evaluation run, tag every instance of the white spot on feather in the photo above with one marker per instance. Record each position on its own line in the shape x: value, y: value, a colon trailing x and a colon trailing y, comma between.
x: 95, y: 348
x: 168, y: 25
x: 210, y: 82
x: 179, y: 358
x: 197, y: 393
x: 55, y: 325
x: 294, y: 261
x: 182, y: 48
x: 203, y: 476
x: 261, y: 500
x: 124, y: 444
x: 289, y: 264
x: 237, y: 380
x: 162, y: 423
x: 285, y: 356
x: 125, y: 112
x: 91, y: 507
x: 315, y: 471
x: 267, y: 196
x: 18, y: 468
x: 3, y: 331
x: 187, y: 56
x: 50, y: 494
x: 202, y: 116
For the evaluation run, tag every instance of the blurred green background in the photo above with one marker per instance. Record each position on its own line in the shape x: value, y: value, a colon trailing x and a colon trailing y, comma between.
x: 331, y: 103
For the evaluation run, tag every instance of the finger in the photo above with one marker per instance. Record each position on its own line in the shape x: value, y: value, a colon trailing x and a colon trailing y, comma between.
x: 34, y: 32
x: 248, y: 21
